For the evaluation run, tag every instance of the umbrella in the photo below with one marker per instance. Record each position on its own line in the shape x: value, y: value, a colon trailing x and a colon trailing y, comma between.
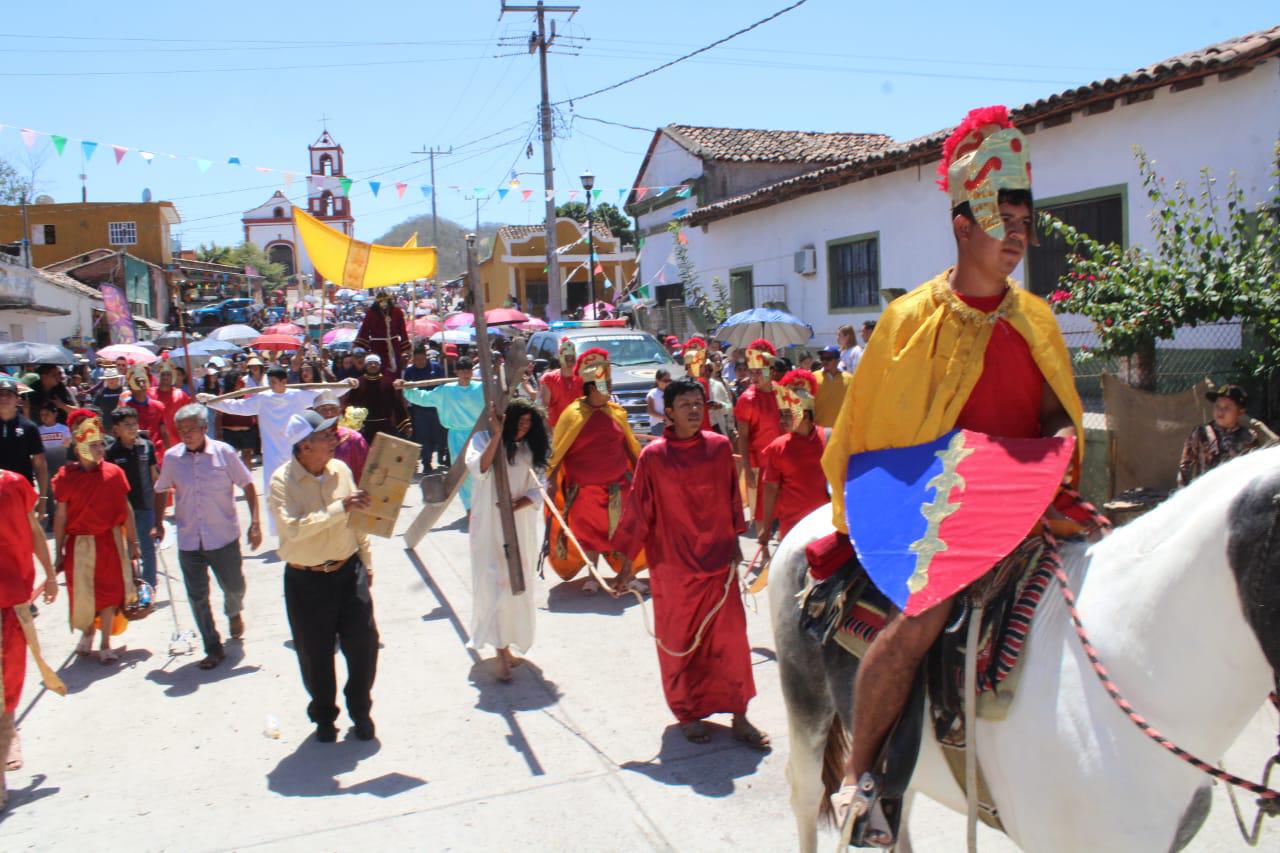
x: 237, y: 334
x: 339, y: 336
x: 533, y: 324
x: 313, y: 320
x: 589, y: 312
x: 282, y: 329
x: 494, y: 317
x: 276, y: 342
x: 345, y: 293
x: 29, y: 352
x: 777, y: 327
x: 170, y: 339
x: 133, y: 353
x: 205, y: 349
x: 465, y: 335
x: 149, y: 346
x: 425, y: 328
x: 459, y: 321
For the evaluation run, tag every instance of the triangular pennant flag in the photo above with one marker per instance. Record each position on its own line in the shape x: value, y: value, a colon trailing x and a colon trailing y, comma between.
x: 641, y: 192
x: 203, y: 165
x: 479, y: 192
x: 640, y: 245
x: 375, y: 186
x: 682, y: 239
x: 87, y: 148
x: 526, y: 194
x: 28, y: 137
x: 595, y: 194
x: 642, y: 291
x: 288, y: 177
x: 660, y: 190
x: 622, y: 193
x: 685, y: 192
x: 346, y: 185
x: 233, y: 161
x: 684, y: 211
x: 401, y: 186
x: 119, y: 151
x: 426, y: 190
x: 599, y: 270
x: 59, y: 142
x: 551, y: 195
x: 502, y: 193
x: 573, y: 195
x: 147, y: 155
x: 662, y: 276
x: 262, y: 169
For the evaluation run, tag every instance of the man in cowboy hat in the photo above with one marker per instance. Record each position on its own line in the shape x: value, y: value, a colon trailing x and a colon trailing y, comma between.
x: 1231, y: 433
x: 108, y: 396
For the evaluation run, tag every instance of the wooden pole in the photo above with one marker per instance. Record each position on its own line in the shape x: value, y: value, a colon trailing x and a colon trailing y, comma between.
x: 494, y: 399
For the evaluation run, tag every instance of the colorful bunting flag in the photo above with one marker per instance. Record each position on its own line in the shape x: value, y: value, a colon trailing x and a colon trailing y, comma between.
x: 288, y: 177
x: 641, y: 192
x: 262, y: 169
x: 502, y: 193
x: 87, y: 148
x: 622, y: 193
x: 59, y: 142
x: 595, y: 194
x: 203, y: 165
x: 401, y: 186
x: 526, y: 194
x: 684, y: 211
x: 119, y: 151
x: 346, y: 185
x: 233, y: 161
x: 660, y: 190
x: 375, y: 186
x: 573, y: 195
x: 28, y: 137
x: 685, y: 192
x: 551, y: 195
x: 682, y: 238
x: 426, y: 190
x: 147, y: 155
x: 599, y: 270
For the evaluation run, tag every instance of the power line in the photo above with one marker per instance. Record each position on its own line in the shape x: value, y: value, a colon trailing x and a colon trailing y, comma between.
x: 152, y: 72
x: 577, y: 116
x: 704, y: 49
x: 221, y: 41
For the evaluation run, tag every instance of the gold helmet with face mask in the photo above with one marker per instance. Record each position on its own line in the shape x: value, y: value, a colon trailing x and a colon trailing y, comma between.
x: 139, y: 379
x: 695, y: 357
x: 593, y: 369
x: 86, y: 430
x: 984, y: 155
x: 568, y: 352
x: 760, y: 354
x: 797, y: 392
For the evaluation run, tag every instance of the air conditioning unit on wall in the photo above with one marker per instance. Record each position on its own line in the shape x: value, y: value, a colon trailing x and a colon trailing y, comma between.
x: 806, y: 261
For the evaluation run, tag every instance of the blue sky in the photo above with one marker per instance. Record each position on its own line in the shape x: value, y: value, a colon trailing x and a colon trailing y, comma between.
x: 212, y: 81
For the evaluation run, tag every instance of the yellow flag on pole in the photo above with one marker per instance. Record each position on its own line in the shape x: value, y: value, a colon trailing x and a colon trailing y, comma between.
x: 412, y: 242
x: 348, y: 262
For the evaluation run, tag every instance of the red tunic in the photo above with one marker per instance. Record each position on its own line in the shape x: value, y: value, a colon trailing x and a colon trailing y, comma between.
x: 151, y: 417
x: 353, y: 450
x: 1006, y: 400
x: 758, y: 410
x: 685, y: 511
x: 596, y: 464
x: 173, y: 399
x: 794, y: 462
x: 97, y: 502
x: 385, y: 334
x: 561, y: 391
x: 17, y: 580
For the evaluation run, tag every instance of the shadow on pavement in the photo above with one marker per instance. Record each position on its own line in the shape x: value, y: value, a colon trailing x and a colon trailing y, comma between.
x: 189, y: 677
x: 313, y: 768
x: 568, y: 597
x: 82, y: 672
x: 528, y: 689
x: 25, y: 796
x: 708, y: 769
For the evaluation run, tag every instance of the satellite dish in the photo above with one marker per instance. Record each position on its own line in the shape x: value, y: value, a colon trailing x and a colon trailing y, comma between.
x: 44, y: 199
x: 146, y: 196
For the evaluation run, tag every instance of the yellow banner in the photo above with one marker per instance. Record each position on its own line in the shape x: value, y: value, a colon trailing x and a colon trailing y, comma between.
x: 348, y: 262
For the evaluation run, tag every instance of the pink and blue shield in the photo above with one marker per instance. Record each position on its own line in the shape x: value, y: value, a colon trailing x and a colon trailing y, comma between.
x: 927, y: 521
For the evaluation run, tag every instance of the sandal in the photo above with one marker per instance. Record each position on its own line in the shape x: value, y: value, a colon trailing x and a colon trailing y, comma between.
x: 84, y: 648
x: 107, y: 656
x: 590, y: 587
x: 695, y: 732
x: 746, y: 733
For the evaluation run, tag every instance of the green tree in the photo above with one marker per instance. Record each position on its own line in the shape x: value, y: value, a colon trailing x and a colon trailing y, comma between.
x: 715, y: 306
x: 1215, y: 259
x: 13, y: 186
x: 244, y: 255
x: 619, y: 223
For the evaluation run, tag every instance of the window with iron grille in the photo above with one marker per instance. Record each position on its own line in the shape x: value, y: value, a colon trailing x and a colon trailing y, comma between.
x: 122, y: 233
x: 1101, y: 217
x: 853, y: 270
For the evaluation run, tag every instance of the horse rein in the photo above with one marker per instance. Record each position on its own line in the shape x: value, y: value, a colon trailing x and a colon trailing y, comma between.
x: 1268, y: 798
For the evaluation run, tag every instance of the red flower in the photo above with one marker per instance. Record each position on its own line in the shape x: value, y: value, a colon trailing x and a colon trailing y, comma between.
x: 1059, y: 296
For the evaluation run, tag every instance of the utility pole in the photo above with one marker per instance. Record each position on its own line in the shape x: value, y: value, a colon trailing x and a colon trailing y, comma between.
x: 432, y: 152
x: 540, y: 43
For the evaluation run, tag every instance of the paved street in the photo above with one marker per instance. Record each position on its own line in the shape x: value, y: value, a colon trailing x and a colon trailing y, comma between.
x: 579, y: 752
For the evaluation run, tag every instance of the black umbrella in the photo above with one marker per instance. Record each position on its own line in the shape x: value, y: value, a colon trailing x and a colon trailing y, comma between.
x: 29, y: 352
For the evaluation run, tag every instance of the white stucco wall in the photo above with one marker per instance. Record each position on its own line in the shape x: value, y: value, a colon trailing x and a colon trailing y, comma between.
x: 18, y: 324
x: 670, y: 165
x: 1223, y: 125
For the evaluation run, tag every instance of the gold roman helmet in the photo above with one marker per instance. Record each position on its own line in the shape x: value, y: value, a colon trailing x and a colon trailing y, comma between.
x: 760, y: 355
x: 797, y: 391
x: 695, y: 357
x: 139, y: 379
x: 354, y: 417
x: 86, y: 429
x: 593, y: 369
x: 984, y: 155
x: 568, y: 352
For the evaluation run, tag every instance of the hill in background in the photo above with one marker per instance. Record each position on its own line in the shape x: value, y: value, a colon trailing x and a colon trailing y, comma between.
x: 451, y: 257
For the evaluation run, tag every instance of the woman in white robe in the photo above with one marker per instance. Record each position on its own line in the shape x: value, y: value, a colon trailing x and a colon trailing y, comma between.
x: 499, y: 618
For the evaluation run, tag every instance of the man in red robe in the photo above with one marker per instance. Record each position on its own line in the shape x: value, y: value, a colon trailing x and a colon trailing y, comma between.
x: 384, y: 332
x: 152, y: 413
x: 379, y: 397
x: 559, y: 388
x: 592, y: 455
x: 685, y: 511
x: 90, y: 528
x: 793, y: 482
x: 20, y: 537
x: 757, y: 415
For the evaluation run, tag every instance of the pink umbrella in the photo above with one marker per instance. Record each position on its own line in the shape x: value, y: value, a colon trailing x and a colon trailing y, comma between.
x: 276, y: 342
x: 282, y: 329
x: 589, y: 312
x: 504, y: 316
x: 339, y: 336
x: 533, y: 324
x: 425, y: 328
x: 135, y: 354
x: 459, y: 321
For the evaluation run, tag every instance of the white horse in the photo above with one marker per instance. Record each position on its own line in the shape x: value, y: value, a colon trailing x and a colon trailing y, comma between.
x: 1183, y: 607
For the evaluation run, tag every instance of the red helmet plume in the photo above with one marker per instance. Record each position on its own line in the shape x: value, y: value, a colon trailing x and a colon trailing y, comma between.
x: 964, y: 138
x: 803, y: 379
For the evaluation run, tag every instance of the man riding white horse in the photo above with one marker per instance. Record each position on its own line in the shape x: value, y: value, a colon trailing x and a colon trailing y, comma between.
x: 970, y: 350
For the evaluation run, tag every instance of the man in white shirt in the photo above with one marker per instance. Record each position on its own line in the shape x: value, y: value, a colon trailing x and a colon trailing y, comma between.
x: 654, y: 404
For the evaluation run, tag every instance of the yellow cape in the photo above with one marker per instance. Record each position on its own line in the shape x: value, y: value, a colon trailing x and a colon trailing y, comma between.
x: 348, y: 262
x: 574, y: 418
x: 920, y: 366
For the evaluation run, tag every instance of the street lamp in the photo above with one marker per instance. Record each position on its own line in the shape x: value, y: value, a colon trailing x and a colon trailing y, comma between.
x: 589, y: 181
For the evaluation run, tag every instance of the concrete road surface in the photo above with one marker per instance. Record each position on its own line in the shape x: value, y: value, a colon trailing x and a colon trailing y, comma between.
x: 579, y: 753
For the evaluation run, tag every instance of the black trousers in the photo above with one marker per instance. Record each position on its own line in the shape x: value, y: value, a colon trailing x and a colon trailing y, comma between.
x: 324, y: 606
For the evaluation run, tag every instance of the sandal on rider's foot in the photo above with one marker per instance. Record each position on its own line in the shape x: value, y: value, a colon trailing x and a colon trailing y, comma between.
x: 859, y: 815
x: 695, y: 732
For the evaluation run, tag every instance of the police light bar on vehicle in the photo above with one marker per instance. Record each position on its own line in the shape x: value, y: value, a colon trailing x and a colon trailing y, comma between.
x: 589, y: 324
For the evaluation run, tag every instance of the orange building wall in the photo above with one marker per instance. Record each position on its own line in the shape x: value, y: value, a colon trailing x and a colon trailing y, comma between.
x: 82, y: 227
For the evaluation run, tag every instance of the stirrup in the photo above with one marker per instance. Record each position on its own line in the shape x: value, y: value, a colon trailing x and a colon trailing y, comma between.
x: 861, y: 818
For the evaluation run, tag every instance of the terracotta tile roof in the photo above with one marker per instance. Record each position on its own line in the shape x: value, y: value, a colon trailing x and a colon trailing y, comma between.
x: 773, y: 146
x: 508, y: 233
x: 1233, y: 55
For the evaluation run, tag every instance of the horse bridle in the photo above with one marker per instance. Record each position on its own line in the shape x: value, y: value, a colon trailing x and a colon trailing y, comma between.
x: 1268, y: 801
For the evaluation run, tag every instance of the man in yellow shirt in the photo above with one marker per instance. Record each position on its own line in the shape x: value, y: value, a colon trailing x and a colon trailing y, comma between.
x: 327, y: 574
x: 832, y: 386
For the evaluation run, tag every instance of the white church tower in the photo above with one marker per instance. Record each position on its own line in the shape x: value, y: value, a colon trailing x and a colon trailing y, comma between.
x: 270, y: 225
